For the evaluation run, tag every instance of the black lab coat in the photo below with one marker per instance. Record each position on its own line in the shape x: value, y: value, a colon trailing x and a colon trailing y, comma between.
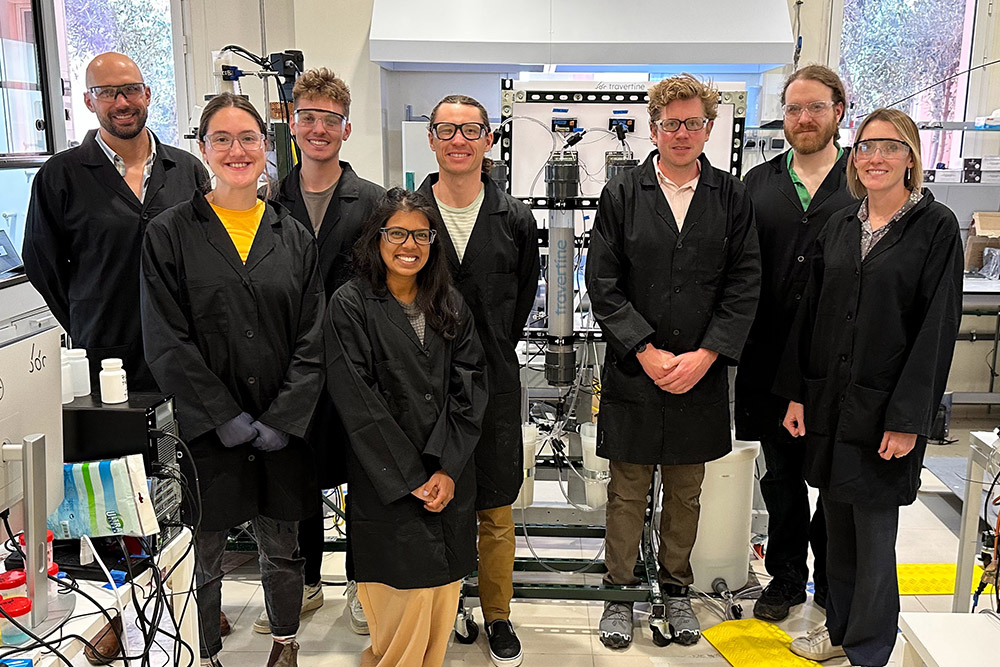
x: 352, y: 202
x: 225, y: 338
x: 410, y: 410
x: 787, y: 236
x: 498, y: 277
x: 82, y: 242
x: 681, y: 291
x: 871, y: 348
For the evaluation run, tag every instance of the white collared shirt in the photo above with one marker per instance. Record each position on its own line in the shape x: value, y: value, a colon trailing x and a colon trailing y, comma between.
x: 678, y: 196
x: 119, y: 163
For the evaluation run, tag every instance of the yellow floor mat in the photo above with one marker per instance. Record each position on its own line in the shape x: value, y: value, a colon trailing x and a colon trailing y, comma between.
x: 752, y: 643
x: 932, y: 578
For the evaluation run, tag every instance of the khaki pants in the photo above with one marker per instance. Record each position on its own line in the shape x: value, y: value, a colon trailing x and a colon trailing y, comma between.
x: 626, y: 508
x: 496, y: 562
x: 409, y: 628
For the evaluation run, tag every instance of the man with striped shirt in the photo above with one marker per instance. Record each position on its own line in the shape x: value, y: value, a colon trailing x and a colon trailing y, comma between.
x: 491, y: 242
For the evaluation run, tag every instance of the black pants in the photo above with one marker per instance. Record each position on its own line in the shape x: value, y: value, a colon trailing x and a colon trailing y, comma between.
x: 862, y: 607
x: 790, y: 528
x: 311, y: 539
x: 280, y: 574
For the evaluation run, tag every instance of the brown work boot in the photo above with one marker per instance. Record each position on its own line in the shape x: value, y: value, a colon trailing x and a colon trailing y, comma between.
x: 106, y: 643
x: 224, y: 627
x: 284, y: 655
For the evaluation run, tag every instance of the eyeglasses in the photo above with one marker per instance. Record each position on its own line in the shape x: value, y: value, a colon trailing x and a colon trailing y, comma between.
x: 331, y: 119
x: 674, y: 124
x: 131, y: 91
x: 471, y: 131
x: 891, y: 149
x: 398, y: 235
x: 813, y: 108
x: 223, y: 141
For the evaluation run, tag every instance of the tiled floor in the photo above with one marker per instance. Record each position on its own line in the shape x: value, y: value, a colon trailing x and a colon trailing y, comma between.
x: 562, y: 633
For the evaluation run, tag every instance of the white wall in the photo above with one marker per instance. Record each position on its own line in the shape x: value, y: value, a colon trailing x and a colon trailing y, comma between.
x: 334, y: 34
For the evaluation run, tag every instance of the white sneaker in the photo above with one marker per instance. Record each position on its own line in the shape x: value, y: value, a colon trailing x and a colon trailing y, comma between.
x: 359, y: 624
x: 816, y: 645
x: 312, y: 598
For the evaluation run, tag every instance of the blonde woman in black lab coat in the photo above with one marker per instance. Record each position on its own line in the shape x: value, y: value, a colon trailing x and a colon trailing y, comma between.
x: 232, y: 305
x: 866, y: 366
x: 407, y: 375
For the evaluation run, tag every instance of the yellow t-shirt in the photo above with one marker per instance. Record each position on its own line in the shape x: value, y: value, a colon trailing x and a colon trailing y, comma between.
x: 241, y: 225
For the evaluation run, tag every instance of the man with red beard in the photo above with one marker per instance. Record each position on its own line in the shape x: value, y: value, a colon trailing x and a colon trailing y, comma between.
x: 88, y: 211
x: 793, y: 194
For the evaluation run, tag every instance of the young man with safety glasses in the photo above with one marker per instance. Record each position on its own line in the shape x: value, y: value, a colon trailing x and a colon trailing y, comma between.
x: 673, y: 274
x: 326, y: 195
x: 88, y: 211
x: 491, y: 242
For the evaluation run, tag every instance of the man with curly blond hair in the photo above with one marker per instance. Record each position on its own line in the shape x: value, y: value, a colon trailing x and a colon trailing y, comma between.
x: 325, y: 194
x: 674, y: 275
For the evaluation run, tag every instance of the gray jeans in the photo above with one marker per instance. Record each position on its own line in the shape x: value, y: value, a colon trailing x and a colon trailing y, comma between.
x: 280, y: 574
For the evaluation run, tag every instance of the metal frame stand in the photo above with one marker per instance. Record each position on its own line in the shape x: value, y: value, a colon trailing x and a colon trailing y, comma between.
x: 647, y: 590
x: 44, y: 616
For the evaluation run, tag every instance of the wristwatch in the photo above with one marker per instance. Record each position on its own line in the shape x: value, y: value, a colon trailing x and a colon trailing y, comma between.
x: 641, y: 347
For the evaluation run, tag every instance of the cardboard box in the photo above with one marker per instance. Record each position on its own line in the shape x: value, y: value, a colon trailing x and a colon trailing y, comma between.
x: 972, y: 176
x: 991, y: 163
x: 986, y: 223
x: 972, y: 163
x: 948, y: 175
x: 991, y: 178
x: 929, y: 175
x: 983, y: 233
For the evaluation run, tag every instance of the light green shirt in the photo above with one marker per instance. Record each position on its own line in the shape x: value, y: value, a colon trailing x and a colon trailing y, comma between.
x: 804, y: 197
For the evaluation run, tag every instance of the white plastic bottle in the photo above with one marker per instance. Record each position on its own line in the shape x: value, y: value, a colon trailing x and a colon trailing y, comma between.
x: 114, y: 385
x: 81, y: 371
x: 67, y: 380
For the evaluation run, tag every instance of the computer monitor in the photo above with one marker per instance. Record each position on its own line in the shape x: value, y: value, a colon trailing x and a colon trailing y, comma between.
x: 30, y: 397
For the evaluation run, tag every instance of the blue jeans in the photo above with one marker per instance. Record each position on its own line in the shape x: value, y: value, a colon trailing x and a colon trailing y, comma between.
x: 280, y: 574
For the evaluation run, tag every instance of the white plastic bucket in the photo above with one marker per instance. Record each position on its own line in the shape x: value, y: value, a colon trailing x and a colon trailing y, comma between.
x: 529, y: 437
x: 722, y: 548
x: 588, y: 442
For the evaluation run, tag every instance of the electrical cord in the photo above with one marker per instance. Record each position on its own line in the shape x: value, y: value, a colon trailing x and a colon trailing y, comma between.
x: 149, y: 640
x: 548, y: 130
x: 935, y: 84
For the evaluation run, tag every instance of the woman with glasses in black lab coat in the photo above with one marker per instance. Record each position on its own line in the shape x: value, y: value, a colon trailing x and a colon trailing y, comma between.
x: 408, y: 377
x: 232, y: 307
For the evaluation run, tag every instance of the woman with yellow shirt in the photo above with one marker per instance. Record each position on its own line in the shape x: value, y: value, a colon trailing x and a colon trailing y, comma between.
x: 232, y: 303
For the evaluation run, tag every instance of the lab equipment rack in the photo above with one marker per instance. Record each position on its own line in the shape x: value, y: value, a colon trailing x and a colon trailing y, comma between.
x: 647, y: 590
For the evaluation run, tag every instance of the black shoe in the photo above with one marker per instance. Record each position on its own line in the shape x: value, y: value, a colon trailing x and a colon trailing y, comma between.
x: 819, y: 598
x: 777, y: 599
x: 505, y: 647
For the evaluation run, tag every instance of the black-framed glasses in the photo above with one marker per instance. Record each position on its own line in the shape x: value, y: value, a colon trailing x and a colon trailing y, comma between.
x: 674, y: 124
x: 131, y: 91
x: 813, y: 108
x: 398, y: 235
x: 223, y: 141
x: 471, y: 131
x: 891, y: 149
x: 331, y: 119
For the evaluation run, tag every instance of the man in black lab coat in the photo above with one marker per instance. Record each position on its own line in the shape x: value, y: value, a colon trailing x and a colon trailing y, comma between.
x: 673, y: 274
x: 89, y: 208
x: 491, y: 241
x: 794, y: 195
x: 328, y: 197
